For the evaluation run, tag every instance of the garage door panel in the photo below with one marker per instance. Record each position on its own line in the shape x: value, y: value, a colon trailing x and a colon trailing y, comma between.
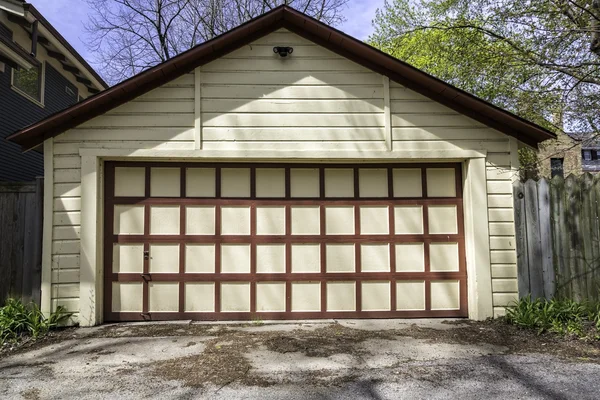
x: 164, y: 220
x: 235, y: 220
x: 374, y: 220
x: 270, y: 258
x: 130, y: 182
x: 163, y: 296
x: 200, y: 258
x: 375, y: 257
x: 165, y: 182
x: 200, y: 297
x: 376, y: 296
x: 306, y: 296
x: 341, y: 296
x: 200, y: 220
x: 339, y: 220
x: 408, y: 220
x: 201, y: 182
x: 270, y: 220
x: 241, y: 241
x: 164, y: 258
x: 235, y: 297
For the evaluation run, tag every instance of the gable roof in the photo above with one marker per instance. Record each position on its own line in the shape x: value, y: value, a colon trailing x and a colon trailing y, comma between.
x: 309, y: 28
x: 24, y: 14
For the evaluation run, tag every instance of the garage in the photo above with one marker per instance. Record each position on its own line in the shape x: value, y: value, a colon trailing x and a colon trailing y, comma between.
x: 233, y: 183
x: 283, y: 241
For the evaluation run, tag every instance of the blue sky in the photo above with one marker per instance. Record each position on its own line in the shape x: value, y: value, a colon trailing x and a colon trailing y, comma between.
x: 68, y: 17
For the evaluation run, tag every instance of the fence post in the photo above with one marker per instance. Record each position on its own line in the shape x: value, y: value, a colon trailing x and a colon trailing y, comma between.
x: 36, y: 279
x: 521, y: 238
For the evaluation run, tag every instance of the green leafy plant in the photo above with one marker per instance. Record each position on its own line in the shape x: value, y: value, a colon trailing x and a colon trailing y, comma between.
x: 561, y: 316
x: 18, y: 319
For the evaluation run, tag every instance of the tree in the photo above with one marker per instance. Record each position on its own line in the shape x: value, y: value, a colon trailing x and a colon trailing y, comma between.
x: 129, y: 36
x: 537, y: 58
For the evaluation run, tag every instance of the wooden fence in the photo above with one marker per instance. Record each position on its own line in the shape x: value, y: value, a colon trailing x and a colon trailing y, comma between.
x: 558, y: 237
x: 21, y: 213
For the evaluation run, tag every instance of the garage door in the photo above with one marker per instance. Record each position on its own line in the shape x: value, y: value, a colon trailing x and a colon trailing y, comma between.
x: 295, y: 241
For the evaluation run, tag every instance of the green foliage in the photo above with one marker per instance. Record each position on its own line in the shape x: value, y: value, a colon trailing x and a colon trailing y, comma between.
x: 532, y: 57
x: 18, y: 319
x: 564, y: 317
x: 528, y: 160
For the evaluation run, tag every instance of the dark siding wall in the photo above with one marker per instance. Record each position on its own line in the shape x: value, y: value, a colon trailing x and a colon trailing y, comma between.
x: 4, y: 31
x: 17, y: 112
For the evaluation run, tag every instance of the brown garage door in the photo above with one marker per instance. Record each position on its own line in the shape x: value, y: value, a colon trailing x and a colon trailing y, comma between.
x: 295, y: 241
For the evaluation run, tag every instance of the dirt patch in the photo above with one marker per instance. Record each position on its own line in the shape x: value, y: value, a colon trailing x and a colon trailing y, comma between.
x: 221, y: 363
x: 324, y: 342
x: 26, y: 344
x: 518, y: 341
x: 156, y: 330
x: 31, y: 394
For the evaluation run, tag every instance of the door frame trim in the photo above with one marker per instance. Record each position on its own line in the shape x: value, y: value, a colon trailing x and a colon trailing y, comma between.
x: 92, y: 222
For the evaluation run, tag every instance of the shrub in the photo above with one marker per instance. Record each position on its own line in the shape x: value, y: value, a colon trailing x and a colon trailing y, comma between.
x: 18, y: 320
x: 565, y: 317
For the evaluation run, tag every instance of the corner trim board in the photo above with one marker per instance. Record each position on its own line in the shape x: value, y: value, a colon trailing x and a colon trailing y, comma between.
x: 387, y: 113
x: 46, y: 286
x: 89, y: 302
x: 477, y: 242
x: 198, y: 109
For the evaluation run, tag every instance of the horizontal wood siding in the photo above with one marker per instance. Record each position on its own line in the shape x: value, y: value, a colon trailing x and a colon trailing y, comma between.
x: 314, y: 99
x: 252, y: 99
x: 502, y: 230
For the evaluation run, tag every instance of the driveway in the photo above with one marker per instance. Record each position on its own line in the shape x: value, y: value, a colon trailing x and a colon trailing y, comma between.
x: 315, y: 360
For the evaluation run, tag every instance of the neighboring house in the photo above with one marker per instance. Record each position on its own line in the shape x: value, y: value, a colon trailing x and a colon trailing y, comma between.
x: 231, y: 182
x: 570, y: 153
x: 590, y: 152
x: 40, y: 74
x: 560, y: 156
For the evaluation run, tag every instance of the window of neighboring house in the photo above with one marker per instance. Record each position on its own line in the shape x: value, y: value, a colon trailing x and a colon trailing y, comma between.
x: 587, y: 155
x: 556, y: 166
x: 29, y: 82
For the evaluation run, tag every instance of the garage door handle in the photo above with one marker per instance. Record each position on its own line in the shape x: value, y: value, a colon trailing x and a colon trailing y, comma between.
x: 146, y: 277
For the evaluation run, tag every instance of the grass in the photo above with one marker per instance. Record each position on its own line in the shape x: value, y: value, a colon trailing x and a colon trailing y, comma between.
x: 18, y: 320
x: 561, y: 316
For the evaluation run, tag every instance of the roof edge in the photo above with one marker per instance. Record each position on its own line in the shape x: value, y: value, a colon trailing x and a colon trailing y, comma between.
x: 305, y: 26
x: 28, y: 7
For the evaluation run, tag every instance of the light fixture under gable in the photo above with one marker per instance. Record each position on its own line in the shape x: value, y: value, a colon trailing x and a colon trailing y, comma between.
x: 283, y: 51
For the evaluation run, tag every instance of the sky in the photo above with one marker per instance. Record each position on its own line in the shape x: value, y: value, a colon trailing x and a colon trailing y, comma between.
x: 68, y: 17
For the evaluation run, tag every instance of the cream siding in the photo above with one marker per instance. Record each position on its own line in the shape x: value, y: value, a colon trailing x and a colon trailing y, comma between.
x: 253, y: 100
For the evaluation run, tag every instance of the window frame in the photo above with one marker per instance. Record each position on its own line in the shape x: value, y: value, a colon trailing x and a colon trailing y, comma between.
x: 42, y: 80
x: 554, y: 171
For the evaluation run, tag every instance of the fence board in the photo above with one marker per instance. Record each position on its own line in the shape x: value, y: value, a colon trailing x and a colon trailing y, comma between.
x: 534, y: 244
x: 545, y: 238
x: 586, y: 234
x: 20, y: 240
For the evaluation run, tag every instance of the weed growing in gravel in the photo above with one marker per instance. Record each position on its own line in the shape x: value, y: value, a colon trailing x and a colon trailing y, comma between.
x: 18, y: 320
x: 565, y: 317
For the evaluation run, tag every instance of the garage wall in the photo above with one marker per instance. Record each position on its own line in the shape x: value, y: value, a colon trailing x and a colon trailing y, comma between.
x: 254, y: 100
